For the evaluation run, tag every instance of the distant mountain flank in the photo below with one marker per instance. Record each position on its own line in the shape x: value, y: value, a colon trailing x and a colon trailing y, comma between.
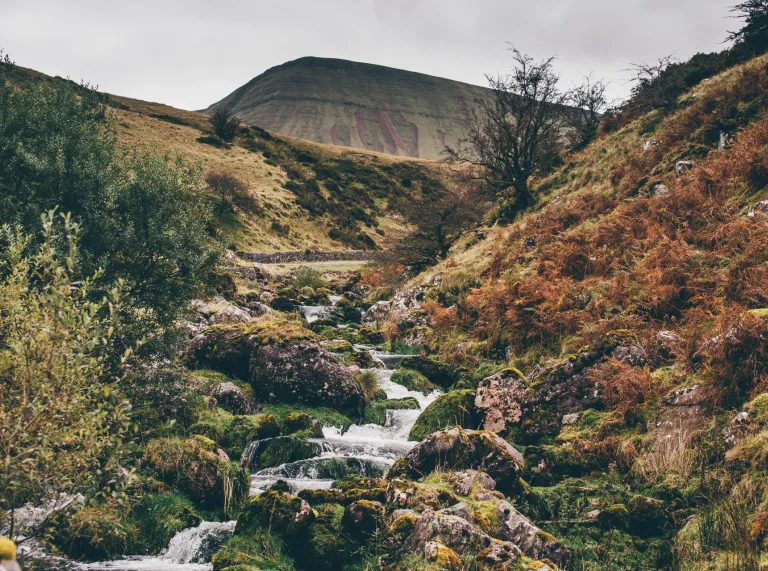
x: 351, y: 104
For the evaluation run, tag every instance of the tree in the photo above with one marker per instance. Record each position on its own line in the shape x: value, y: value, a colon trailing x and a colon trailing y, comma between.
x: 225, y: 124
x: 754, y: 35
x: 657, y: 85
x: 435, y: 226
x: 516, y: 133
x: 62, y: 418
x: 226, y: 186
x: 589, y: 102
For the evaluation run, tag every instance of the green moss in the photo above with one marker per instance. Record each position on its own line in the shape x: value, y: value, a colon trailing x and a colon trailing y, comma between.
x: 284, y: 449
x: 275, y: 510
x: 456, y: 408
x: 301, y: 424
x: 93, y: 533
x: 436, y: 372
x: 161, y: 517
x: 273, y: 329
x: 244, y: 429
x: 413, y: 380
x: 376, y: 411
x: 328, y: 545
x: 261, y: 551
x: 326, y: 416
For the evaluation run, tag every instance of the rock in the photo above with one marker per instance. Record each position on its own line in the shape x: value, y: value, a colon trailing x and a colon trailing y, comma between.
x: 464, y: 449
x: 500, y: 556
x: 327, y: 545
x: 724, y: 141
x: 271, y: 452
x: 737, y: 429
x: 224, y: 348
x: 682, y: 166
x: 275, y: 510
x: 231, y: 398
x: 230, y: 314
x: 647, y: 516
x: 305, y: 373
x: 520, y: 531
x: 667, y: 345
x: 406, y: 494
x: 403, y: 523
x: 570, y: 419
x: 456, y: 408
x: 648, y: 145
x: 661, y: 191
x: 442, y: 556
x: 759, y: 208
x: 615, y: 516
x: 453, y: 531
x: 499, y: 397
x: 460, y: 510
x: 363, y: 518
x: 378, y: 313
x: 301, y: 424
x: 463, y: 482
x: 438, y: 373
x: 683, y: 414
x: 413, y: 381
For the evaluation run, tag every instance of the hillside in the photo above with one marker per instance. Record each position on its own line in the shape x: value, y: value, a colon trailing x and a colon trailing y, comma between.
x: 340, y: 102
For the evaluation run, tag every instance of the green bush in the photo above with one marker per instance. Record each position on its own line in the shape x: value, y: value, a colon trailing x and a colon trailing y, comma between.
x: 308, y: 277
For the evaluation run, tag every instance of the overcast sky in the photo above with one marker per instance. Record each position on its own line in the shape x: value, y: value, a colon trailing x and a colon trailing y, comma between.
x: 192, y: 53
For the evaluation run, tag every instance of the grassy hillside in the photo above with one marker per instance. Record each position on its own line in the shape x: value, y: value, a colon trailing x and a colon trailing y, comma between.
x: 630, y: 243
x: 300, y: 195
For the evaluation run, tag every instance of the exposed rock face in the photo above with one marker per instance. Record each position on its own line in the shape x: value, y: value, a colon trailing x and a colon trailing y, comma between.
x: 231, y: 398
x: 500, y: 397
x: 453, y: 531
x: 534, y: 542
x: 304, y: 373
x: 459, y: 448
x: 339, y: 102
x: 683, y: 414
x: 464, y: 481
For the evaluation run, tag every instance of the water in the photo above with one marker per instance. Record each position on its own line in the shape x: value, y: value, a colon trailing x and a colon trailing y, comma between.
x: 389, y: 360
x: 367, y: 449
x: 314, y: 312
x: 188, y: 550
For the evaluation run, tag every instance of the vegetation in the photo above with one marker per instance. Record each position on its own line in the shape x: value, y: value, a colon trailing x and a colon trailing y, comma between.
x: 225, y: 125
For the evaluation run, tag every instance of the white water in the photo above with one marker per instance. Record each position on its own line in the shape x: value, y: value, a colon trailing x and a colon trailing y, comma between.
x: 368, y: 449
x: 188, y: 550
x: 314, y: 312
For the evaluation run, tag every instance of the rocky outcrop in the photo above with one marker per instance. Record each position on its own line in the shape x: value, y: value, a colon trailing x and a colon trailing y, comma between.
x: 305, y: 373
x: 535, y: 543
x: 499, y: 399
x: 459, y: 449
x: 231, y: 398
x: 453, y: 531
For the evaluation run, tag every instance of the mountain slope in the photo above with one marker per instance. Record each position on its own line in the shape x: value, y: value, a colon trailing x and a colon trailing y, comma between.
x: 339, y: 102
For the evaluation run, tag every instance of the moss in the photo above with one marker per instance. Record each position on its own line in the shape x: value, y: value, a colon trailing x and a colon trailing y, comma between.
x: 194, y: 466
x: 261, y: 551
x: 275, y: 510
x: 615, y: 516
x: 588, y: 426
x: 363, y: 518
x: 376, y: 411
x: 161, y: 517
x: 436, y: 372
x: 328, y: 546
x: 338, y: 346
x: 325, y: 415
x: 245, y: 429
x: 301, y: 424
x: 403, y: 525
x: 212, y: 424
x: 273, y: 329
x: 758, y: 408
x: 283, y: 449
x: 93, y: 533
x: 456, y: 408
x: 413, y: 381
x: 647, y: 516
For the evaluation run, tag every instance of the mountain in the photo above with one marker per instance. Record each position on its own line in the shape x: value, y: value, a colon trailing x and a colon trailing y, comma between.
x: 351, y: 104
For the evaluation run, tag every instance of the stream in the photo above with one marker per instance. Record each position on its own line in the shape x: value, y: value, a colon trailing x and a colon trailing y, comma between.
x: 367, y: 449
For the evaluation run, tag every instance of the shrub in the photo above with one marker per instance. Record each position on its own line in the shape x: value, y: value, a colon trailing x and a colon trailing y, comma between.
x: 308, y: 277
x: 369, y: 382
x: 225, y: 124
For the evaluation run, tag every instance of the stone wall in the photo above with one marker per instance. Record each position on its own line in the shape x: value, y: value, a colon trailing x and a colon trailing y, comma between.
x: 309, y: 256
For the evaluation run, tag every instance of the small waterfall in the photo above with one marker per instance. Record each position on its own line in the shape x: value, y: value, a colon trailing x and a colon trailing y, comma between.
x: 189, y: 550
x: 390, y: 360
x: 314, y: 312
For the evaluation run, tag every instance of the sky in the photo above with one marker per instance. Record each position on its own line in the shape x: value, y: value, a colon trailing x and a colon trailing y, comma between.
x: 189, y: 54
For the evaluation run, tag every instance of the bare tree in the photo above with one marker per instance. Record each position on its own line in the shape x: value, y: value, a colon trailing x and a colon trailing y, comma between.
x: 516, y: 133
x: 225, y: 124
x: 435, y: 225
x: 589, y: 102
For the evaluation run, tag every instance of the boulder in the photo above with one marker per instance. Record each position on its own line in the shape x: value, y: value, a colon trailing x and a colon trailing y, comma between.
x: 436, y: 372
x: 363, y: 518
x: 464, y: 482
x: 305, y: 373
x: 458, y: 449
x: 301, y: 424
x: 519, y: 530
x: 500, y: 556
x: 682, y: 166
x: 224, y: 348
x: 684, y: 412
x: 379, y: 312
x: 456, y: 408
x: 231, y: 398
x: 647, y: 516
x: 406, y: 494
x: 230, y: 313
x: 460, y: 510
x: 760, y: 207
x: 277, y: 511
x: 452, y: 531
x: 443, y: 556
x: 499, y: 399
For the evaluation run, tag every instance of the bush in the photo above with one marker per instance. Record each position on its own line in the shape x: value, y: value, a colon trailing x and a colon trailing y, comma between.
x: 308, y: 277
x: 369, y: 382
x: 224, y: 124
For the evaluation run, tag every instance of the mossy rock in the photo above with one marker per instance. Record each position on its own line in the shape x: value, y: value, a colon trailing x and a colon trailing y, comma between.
x: 545, y: 464
x: 93, y: 533
x: 276, y: 330
x: 403, y: 525
x: 413, y: 381
x: 363, y: 518
x: 615, y: 516
x: 328, y: 546
x: 371, y: 336
x: 160, y: 517
x: 456, y: 408
x: 338, y: 346
x: 376, y: 411
x: 436, y: 372
x: 281, y: 450
x: 194, y: 465
x: 282, y: 513
x: 301, y: 424
x: 243, y: 430
x: 356, y: 481
x: 647, y: 516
